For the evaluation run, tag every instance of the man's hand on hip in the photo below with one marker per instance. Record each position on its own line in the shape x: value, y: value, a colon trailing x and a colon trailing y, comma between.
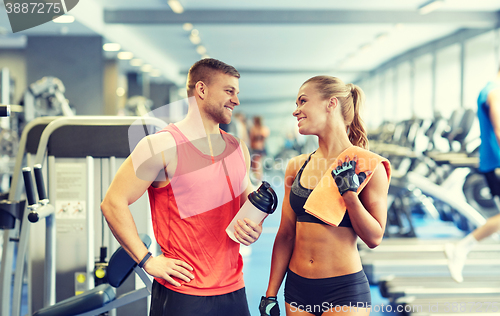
x: 166, y: 268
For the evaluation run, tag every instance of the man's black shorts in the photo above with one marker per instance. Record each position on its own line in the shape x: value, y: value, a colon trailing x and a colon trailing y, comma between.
x: 165, y: 302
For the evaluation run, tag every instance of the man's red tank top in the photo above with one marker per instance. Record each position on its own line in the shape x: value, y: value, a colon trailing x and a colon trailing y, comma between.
x: 191, y: 213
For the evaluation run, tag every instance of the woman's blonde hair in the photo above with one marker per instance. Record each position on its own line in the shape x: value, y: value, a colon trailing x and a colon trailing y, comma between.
x: 351, y: 98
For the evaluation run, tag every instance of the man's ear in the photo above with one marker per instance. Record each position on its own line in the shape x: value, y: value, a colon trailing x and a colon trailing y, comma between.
x: 201, y: 89
x: 332, y: 103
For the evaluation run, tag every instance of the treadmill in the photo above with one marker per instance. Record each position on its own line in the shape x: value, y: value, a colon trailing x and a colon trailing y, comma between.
x: 393, y: 288
x: 396, y: 245
x: 487, y: 305
x: 378, y: 264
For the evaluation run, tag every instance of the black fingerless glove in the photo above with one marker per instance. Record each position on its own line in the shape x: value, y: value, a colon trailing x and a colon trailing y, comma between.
x: 346, y: 178
x: 269, y: 306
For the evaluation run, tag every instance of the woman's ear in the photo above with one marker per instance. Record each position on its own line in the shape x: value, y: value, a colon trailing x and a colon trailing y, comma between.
x: 201, y: 89
x: 332, y: 103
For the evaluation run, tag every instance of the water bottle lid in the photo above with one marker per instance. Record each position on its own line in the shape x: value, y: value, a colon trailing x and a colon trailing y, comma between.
x: 264, y: 198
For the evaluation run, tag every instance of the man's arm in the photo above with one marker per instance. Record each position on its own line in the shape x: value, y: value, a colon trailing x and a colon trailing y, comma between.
x: 124, y: 190
x: 128, y: 185
x: 494, y: 104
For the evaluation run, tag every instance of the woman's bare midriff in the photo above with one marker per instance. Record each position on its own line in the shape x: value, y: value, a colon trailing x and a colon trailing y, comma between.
x: 323, y: 251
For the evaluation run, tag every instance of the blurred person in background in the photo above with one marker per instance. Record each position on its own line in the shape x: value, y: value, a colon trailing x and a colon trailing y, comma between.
x: 488, y: 112
x: 258, y: 135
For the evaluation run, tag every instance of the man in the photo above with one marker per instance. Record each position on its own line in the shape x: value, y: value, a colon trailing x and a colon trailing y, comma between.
x: 488, y: 113
x: 197, y: 179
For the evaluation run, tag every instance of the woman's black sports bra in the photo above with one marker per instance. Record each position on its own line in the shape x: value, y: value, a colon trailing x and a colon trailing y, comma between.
x: 298, y: 197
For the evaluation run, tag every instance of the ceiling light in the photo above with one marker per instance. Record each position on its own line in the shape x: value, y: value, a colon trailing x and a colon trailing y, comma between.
x: 136, y: 62
x: 430, y: 6
x: 195, y: 32
x: 201, y: 50
x: 195, y: 39
x: 120, y: 91
x: 205, y: 56
x: 187, y: 26
x: 155, y: 73
x: 64, y: 19
x: 176, y: 6
x: 146, y: 68
x: 125, y: 55
x: 111, y: 47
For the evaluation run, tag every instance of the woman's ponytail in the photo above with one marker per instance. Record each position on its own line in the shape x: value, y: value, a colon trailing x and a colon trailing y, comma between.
x: 357, y: 132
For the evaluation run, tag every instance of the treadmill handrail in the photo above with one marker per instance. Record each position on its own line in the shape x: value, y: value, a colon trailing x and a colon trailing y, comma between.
x: 430, y: 188
x: 15, y: 192
x: 91, y: 121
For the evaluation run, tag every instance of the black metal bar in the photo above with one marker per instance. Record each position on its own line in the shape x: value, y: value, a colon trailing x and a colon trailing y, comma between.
x: 28, y: 184
x: 40, y: 185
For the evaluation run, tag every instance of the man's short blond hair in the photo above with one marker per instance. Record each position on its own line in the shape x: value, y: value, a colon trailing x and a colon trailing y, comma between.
x: 204, y: 69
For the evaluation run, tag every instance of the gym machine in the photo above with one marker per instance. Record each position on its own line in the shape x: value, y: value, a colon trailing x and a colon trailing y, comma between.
x: 102, y: 298
x: 45, y: 97
x: 13, y: 209
x: 394, y: 288
x: 70, y: 161
x: 443, y: 185
x: 466, y: 305
x: 425, y: 263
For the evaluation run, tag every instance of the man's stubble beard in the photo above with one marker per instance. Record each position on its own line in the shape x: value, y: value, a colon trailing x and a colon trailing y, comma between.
x: 217, y: 114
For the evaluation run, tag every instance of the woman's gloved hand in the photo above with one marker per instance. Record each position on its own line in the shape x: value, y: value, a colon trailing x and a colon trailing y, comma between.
x: 345, y: 176
x: 269, y: 306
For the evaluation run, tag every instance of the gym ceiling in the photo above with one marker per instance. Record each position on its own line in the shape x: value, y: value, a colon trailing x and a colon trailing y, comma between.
x: 275, y: 44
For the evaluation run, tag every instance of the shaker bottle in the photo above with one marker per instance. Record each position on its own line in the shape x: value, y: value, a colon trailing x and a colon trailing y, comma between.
x: 259, y: 204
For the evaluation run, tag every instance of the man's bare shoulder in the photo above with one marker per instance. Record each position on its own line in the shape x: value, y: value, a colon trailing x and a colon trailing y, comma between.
x: 154, y: 152
x: 161, y: 141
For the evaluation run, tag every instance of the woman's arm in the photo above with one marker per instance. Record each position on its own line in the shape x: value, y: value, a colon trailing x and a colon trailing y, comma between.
x: 285, y: 238
x: 368, y: 210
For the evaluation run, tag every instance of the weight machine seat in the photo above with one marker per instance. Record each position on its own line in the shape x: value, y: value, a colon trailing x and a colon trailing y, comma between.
x: 9, y: 212
x: 119, y: 268
x: 87, y: 301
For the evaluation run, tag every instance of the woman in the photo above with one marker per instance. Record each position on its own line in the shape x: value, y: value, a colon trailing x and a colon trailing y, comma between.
x: 320, y: 257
